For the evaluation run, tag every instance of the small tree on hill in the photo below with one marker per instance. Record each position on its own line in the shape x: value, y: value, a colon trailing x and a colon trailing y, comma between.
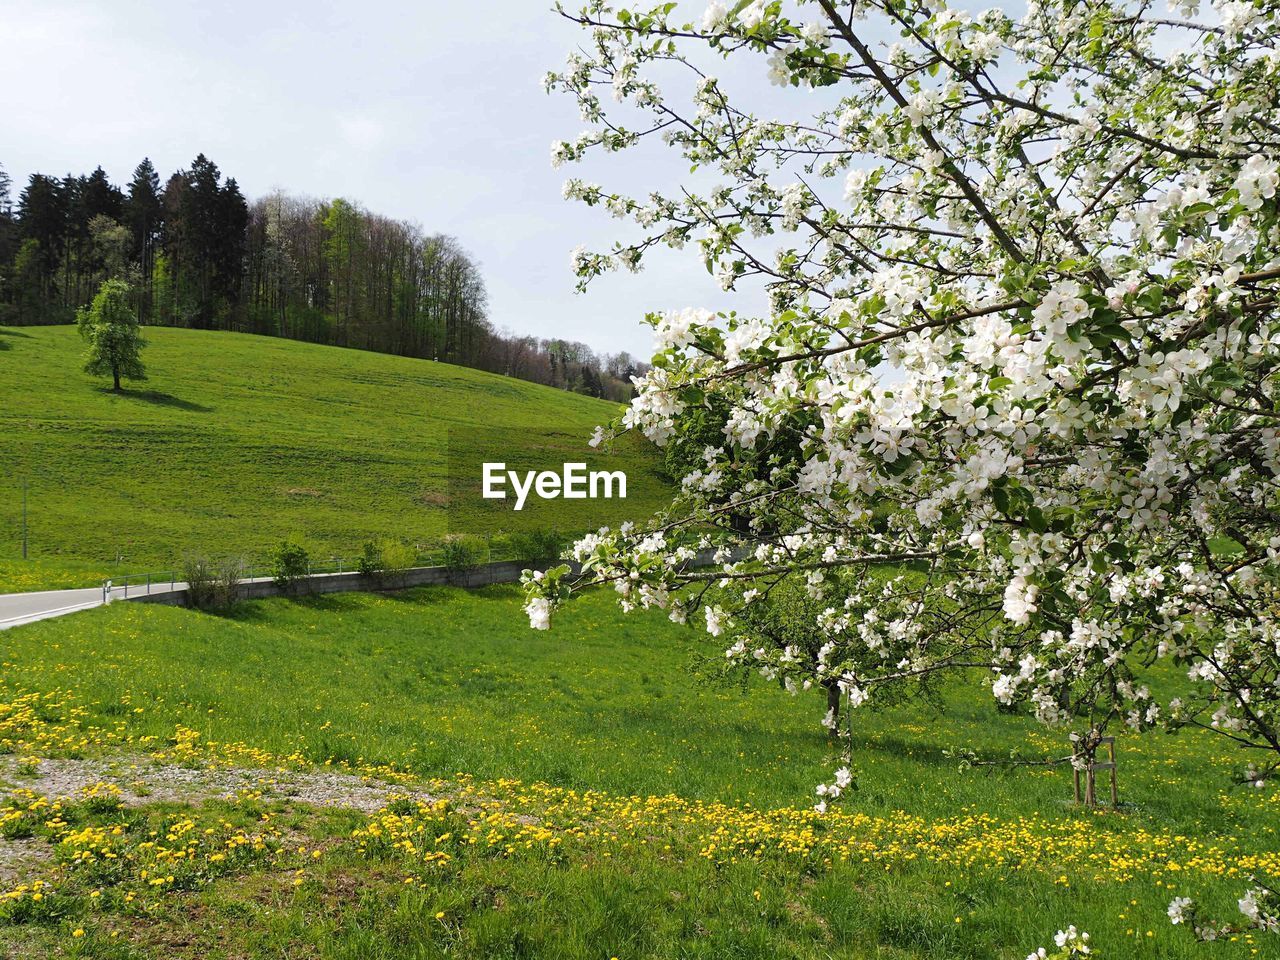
x: 290, y: 566
x: 110, y: 326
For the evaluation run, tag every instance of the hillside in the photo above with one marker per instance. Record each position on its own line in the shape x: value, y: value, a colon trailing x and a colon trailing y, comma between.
x: 236, y: 441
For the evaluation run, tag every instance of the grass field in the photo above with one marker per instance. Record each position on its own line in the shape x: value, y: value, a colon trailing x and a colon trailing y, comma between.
x: 237, y: 441
x: 603, y: 801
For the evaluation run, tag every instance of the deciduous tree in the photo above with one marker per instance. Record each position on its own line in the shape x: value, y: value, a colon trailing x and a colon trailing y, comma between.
x: 1023, y: 344
x: 110, y: 327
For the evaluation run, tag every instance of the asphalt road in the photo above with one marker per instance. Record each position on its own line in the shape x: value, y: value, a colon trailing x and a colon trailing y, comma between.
x: 19, y: 608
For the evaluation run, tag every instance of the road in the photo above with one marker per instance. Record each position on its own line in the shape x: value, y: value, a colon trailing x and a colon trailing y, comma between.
x: 19, y: 608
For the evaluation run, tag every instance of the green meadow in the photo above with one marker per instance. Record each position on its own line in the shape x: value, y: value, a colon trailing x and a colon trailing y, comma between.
x: 237, y: 441
x: 608, y: 798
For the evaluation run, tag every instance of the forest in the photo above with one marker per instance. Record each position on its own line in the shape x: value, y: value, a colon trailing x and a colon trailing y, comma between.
x: 198, y: 254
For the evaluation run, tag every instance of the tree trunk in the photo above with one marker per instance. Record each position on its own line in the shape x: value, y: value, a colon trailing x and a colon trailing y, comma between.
x: 115, y: 376
x: 833, y: 707
x: 1086, y: 752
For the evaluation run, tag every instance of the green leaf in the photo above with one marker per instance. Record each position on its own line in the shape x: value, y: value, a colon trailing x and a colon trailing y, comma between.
x: 1036, y: 520
x: 900, y: 466
x: 1000, y: 497
x: 1225, y: 547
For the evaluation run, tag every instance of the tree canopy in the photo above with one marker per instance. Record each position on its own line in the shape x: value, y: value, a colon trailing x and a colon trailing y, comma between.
x: 110, y: 327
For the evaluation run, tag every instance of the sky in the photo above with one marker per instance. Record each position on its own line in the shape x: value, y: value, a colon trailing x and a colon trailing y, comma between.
x: 430, y: 112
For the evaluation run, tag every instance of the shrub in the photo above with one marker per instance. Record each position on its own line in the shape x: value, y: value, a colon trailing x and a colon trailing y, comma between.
x: 386, y: 560
x: 227, y: 588
x: 370, y: 563
x: 290, y: 564
x: 212, y: 584
x: 397, y: 556
x: 537, y: 546
x: 463, y: 554
x: 201, y: 580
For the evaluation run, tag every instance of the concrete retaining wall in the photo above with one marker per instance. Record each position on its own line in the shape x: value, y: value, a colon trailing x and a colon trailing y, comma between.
x: 504, y: 571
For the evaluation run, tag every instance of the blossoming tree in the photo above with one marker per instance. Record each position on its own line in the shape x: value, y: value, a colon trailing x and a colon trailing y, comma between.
x: 1020, y: 369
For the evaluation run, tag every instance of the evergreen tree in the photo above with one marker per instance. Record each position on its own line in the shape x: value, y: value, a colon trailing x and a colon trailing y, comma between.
x: 229, y: 248
x: 8, y: 233
x: 42, y: 216
x: 211, y: 219
x: 198, y: 214
x: 170, y: 299
x: 143, y: 210
x: 110, y: 327
x: 144, y: 216
x: 90, y: 200
x: 75, y: 237
x: 99, y: 197
x: 26, y: 284
x: 591, y: 385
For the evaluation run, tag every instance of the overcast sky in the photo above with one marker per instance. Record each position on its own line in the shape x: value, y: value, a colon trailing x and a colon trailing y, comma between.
x: 431, y: 112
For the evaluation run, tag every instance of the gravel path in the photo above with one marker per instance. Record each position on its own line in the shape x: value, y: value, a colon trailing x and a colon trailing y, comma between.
x: 143, y: 781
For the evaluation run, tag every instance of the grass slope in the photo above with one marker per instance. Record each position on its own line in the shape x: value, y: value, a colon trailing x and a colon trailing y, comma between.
x: 236, y: 441
x: 927, y: 860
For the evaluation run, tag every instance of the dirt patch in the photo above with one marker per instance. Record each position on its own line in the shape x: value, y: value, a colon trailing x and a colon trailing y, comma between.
x: 142, y: 781
x: 304, y: 492
x: 21, y: 858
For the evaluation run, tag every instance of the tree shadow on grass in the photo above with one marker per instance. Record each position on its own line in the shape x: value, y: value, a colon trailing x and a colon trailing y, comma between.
x: 158, y: 399
x: 913, y: 751
x: 327, y: 602
x: 423, y: 596
x: 255, y: 609
x: 6, y: 332
x: 242, y: 611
